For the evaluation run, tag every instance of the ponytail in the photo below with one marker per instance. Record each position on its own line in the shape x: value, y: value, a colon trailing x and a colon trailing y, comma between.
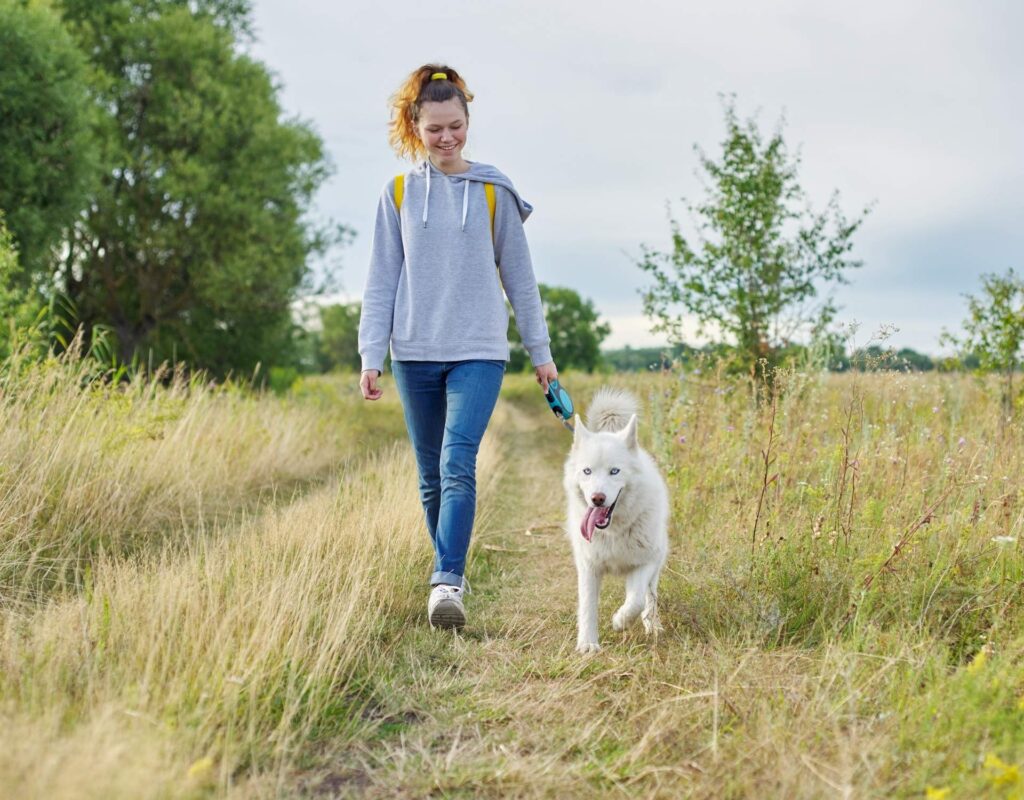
x: 422, y: 87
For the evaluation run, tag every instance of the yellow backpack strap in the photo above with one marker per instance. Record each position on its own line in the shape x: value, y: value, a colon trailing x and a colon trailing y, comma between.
x: 489, y: 191
x: 399, y: 190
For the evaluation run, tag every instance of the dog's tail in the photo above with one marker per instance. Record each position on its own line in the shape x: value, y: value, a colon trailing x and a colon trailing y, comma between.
x: 611, y: 409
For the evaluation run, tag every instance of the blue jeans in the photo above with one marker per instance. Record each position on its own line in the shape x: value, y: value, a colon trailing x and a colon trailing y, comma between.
x: 447, y: 406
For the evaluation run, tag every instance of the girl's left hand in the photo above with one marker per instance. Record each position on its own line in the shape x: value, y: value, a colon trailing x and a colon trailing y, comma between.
x: 545, y: 374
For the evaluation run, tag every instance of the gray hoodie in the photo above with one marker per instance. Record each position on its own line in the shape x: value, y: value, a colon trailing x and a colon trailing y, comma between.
x: 433, y: 291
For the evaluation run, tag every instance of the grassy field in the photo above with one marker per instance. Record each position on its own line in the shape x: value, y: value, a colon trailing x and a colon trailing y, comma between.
x: 206, y: 593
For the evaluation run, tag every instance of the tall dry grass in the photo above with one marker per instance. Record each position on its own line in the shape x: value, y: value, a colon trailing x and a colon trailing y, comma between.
x: 234, y: 651
x: 89, y: 466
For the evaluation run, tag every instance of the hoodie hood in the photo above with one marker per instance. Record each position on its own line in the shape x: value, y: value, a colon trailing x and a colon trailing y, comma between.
x: 481, y: 173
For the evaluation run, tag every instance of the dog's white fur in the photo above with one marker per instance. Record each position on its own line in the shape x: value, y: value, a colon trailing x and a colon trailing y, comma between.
x: 635, y: 542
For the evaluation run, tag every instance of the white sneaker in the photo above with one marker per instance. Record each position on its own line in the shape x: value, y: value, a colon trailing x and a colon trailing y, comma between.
x: 444, y: 608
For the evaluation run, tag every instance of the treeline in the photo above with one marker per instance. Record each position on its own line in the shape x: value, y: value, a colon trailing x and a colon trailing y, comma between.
x: 869, y: 359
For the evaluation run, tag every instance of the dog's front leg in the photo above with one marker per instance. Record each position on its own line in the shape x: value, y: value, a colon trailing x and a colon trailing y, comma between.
x: 589, y: 590
x: 637, y: 584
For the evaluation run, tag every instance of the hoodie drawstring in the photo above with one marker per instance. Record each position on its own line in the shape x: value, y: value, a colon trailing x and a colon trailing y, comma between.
x: 426, y: 201
x: 465, y: 199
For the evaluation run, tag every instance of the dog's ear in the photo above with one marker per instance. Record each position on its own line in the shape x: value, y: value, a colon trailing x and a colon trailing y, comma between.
x: 579, y: 432
x: 629, y: 433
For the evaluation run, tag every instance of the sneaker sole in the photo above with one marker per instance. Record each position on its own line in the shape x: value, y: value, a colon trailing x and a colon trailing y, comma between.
x: 447, y: 614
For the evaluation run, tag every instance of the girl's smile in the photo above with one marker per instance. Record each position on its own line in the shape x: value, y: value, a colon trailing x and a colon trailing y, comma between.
x: 442, y: 127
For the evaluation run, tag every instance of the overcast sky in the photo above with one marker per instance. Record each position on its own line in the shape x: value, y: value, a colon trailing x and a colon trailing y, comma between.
x: 593, y: 108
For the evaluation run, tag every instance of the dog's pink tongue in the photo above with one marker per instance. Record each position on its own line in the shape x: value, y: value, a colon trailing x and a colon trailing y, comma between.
x: 594, y: 515
x: 589, y: 521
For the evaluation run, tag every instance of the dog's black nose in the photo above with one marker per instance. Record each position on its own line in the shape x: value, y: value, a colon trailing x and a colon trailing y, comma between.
x: 598, y: 499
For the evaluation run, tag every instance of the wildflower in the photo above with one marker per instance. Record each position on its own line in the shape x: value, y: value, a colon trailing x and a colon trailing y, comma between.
x: 935, y: 409
x: 1001, y: 773
x: 931, y: 793
x: 961, y: 442
x: 978, y: 662
x: 682, y: 440
x: 200, y: 768
x: 730, y: 427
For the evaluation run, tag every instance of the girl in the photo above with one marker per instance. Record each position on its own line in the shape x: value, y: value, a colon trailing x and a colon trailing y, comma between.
x: 434, y: 295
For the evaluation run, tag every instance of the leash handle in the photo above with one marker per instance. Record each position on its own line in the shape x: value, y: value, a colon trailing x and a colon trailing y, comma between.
x: 561, y: 403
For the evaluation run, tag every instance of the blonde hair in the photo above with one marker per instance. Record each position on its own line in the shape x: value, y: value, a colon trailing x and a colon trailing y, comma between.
x: 406, y: 102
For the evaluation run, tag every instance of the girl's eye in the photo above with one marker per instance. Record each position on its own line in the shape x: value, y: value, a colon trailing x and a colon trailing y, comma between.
x: 615, y: 470
x: 586, y: 470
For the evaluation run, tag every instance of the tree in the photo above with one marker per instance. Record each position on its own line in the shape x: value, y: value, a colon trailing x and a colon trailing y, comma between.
x: 760, y: 254
x: 339, y: 337
x: 994, y: 329
x: 196, y: 241
x: 47, y: 156
x: 575, y: 333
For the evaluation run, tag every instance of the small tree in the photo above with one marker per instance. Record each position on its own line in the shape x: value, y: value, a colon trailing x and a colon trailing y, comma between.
x: 575, y: 332
x: 995, y: 329
x: 760, y: 255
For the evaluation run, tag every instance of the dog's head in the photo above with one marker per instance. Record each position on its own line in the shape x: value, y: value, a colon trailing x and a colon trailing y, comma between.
x: 601, y: 464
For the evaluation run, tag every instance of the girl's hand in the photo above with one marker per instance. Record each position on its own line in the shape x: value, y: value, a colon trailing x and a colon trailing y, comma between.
x: 368, y: 384
x: 545, y: 374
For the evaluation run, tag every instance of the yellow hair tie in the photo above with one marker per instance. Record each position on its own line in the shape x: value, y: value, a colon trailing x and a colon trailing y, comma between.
x: 439, y: 76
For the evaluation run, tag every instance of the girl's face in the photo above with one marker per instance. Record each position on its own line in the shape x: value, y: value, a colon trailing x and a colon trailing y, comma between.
x: 442, y: 128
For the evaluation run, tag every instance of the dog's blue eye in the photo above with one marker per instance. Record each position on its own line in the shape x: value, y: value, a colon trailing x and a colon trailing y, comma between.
x: 615, y: 470
x: 586, y: 470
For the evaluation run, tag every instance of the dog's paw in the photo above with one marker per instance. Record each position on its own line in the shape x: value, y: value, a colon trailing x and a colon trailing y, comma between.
x: 652, y: 627
x: 622, y: 619
x: 587, y: 647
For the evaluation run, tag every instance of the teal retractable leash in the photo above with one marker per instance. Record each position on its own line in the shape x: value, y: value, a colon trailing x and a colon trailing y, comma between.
x: 560, y: 402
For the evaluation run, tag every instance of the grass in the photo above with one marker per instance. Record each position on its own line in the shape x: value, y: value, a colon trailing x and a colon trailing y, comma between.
x: 234, y: 607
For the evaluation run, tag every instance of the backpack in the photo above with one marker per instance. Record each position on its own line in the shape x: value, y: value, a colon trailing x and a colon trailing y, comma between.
x: 488, y: 190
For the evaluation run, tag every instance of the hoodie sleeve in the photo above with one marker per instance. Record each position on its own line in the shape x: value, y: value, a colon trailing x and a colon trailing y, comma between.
x: 386, y: 260
x: 516, y: 269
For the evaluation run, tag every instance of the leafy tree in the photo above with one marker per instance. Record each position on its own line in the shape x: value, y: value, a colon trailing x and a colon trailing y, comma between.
x: 759, y: 256
x: 339, y: 337
x: 576, y: 335
x: 196, y: 242
x: 994, y: 329
x: 47, y: 156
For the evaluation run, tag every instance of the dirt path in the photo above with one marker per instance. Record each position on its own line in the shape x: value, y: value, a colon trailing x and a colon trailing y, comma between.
x: 466, y: 714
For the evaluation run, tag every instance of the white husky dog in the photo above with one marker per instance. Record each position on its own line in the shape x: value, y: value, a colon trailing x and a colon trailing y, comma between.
x: 618, y: 515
